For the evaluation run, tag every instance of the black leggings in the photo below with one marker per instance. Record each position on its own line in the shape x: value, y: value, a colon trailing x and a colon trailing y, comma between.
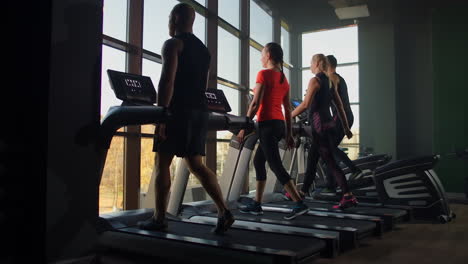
x: 324, y: 146
x: 270, y: 133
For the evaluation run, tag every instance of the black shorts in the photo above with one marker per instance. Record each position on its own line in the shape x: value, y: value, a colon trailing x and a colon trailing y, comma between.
x: 185, y: 134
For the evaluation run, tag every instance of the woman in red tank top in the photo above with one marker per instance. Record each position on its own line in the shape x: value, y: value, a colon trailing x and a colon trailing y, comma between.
x: 271, y: 94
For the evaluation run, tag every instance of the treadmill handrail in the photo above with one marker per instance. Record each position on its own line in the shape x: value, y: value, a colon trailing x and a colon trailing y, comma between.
x: 120, y: 116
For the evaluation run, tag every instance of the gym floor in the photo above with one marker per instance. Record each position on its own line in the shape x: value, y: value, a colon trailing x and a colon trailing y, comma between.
x: 415, y: 243
x: 412, y: 243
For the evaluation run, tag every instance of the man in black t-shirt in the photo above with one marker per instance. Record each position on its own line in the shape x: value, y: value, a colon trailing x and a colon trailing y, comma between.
x: 339, y: 131
x: 181, y: 89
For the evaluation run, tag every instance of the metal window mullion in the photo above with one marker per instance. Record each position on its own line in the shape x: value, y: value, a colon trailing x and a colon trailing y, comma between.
x: 212, y: 44
x: 132, y: 154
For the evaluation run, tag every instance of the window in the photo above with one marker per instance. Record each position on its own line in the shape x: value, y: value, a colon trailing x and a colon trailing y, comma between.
x: 113, y: 59
x: 261, y: 24
x: 111, y: 188
x: 153, y: 70
x: 287, y: 73
x: 199, y: 27
x: 351, y: 76
x: 343, y: 44
x: 115, y: 19
x: 146, y: 163
x: 306, y: 76
x: 229, y: 10
x: 285, y: 45
x: 233, y: 97
x: 255, y: 65
x: 228, y: 56
x: 155, y: 23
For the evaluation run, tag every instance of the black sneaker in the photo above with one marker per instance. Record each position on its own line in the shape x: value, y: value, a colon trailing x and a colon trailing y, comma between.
x: 297, y: 210
x: 254, y: 208
x: 152, y: 224
x: 224, y: 222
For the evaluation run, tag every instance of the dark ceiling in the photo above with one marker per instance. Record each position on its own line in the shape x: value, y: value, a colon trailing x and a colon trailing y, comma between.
x: 305, y: 15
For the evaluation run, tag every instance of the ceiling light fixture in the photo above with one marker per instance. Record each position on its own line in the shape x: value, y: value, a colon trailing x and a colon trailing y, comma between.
x: 352, y: 12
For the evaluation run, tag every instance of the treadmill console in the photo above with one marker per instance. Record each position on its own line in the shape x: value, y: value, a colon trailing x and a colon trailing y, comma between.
x: 132, y: 89
x: 295, y: 103
x: 216, y: 101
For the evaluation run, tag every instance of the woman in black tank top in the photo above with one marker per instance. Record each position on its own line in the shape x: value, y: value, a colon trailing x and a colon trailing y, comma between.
x: 318, y: 100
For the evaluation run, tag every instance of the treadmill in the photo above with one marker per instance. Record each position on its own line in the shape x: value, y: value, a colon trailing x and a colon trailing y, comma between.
x: 390, y: 216
x: 351, y: 228
x: 117, y: 232
x: 410, y: 185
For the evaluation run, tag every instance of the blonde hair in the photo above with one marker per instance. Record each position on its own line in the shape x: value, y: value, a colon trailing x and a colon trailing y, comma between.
x: 322, y: 60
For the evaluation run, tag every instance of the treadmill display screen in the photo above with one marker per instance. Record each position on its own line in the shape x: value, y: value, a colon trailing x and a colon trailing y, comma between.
x: 132, y: 88
x: 216, y: 101
x: 295, y: 103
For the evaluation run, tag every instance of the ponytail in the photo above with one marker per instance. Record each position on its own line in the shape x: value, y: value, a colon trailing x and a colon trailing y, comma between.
x: 276, y: 54
x: 282, y: 72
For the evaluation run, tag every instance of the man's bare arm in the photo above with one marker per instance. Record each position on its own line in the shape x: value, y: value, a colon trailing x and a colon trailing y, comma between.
x: 170, y: 54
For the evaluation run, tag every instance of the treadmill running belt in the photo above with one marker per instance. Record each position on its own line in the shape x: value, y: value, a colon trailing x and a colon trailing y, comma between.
x: 397, y: 213
x: 302, y: 246
x: 310, y: 221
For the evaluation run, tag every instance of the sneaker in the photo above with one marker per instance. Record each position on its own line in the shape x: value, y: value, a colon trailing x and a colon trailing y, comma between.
x: 224, y: 222
x: 299, y: 209
x: 153, y: 225
x: 254, y: 208
x: 346, y: 202
x: 288, y: 196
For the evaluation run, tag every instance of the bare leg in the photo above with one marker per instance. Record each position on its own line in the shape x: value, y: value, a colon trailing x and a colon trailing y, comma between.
x: 259, y: 191
x: 162, y: 184
x: 208, y: 180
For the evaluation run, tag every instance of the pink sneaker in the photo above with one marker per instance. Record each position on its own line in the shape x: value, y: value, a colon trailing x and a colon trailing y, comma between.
x: 346, y: 202
x: 288, y: 196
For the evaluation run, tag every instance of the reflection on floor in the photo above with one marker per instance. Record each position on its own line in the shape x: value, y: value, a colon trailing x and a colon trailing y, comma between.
x: 415, y: 243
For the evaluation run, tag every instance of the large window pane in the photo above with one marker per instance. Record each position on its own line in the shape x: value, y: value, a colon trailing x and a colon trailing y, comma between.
x: 153, y: 70
x: 155, y: 23
x: 229, y: 11
x: 232, y: 96
x: 111, y: 188
x: 228, y: 55
x: 255, y: 65
x: 199, y: 27
x: 354, y: 141
x: 115, y: 60
x: 351, y: 75
x: 261, y: 24
x: 115, y: 19
x: 221, y: 154
x: 306, y: 76
x: 342, y: 43
x: 285, y: 45
x: 287, y: 73
x: 146, y: 163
